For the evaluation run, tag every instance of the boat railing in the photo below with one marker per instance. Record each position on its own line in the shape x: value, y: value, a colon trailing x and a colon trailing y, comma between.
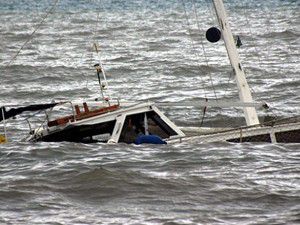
x: 78, y: 114
x: 70, y: 117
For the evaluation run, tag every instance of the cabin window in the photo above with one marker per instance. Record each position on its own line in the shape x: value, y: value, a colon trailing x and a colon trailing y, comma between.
x: 254, y: 138
x: 98, y: 132
x: 134, y: 126
x: 84, y: 133
x: 157, y: 126
x: 288, y: 136
x: 103, y: 130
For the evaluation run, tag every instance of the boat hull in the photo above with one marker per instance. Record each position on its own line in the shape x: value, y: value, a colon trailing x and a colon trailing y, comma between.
x: 282, y: 133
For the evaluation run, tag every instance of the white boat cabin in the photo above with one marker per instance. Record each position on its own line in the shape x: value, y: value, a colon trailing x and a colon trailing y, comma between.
x: 111, y: 124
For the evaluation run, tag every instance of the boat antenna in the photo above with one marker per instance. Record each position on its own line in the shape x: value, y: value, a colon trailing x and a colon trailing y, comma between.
x: 104, y: 83
x: 100, y: 70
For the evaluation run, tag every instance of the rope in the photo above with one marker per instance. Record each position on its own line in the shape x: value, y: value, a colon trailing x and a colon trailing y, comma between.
x: 252, y: 37
x: 192, y: 42
x: 32, y: 34
x: 268, y: 49
x: 212, y: 12
x: 230, y: 76
x: 104, y: 22
x: 203, y: 47
x: 205, y: 57
x: 204, y: 112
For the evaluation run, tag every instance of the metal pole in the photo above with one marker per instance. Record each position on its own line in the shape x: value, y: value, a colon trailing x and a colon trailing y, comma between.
x: 4, y: 123
x: 99, y: 69
x: 101, y: 65
x: 146, y: 125
x: 243, y: 87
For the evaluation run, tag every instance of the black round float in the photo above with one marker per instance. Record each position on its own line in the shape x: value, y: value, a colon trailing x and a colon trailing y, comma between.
x: 213, y: 34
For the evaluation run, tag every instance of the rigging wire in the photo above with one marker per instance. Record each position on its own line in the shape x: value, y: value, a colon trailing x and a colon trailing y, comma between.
x: 103, y: 85
x: 212, y: 12
x: 197, y: 54
x: 89, y: 57
x: 252, y: 37
x: 91, y: 49
x: 206, y: 60
x: 203, y: 48
x: 255, y: 47
x: 268, y: 16
x: 248, y: 22
x: 215, y: 21
x: 208, y: 3
x: 171, y: 29
x: 104, y: 18
x: 230, y: 76
x: 192, y: 41
x: 49, y: 12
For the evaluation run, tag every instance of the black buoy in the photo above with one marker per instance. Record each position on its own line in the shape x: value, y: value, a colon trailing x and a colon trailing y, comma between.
x: 213, y: 34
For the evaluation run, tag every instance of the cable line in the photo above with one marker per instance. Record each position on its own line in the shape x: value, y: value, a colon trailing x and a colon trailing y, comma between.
x: 32, y: 34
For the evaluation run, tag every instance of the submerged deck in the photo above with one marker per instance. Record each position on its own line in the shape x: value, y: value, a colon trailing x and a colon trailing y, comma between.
x: 281, y: 131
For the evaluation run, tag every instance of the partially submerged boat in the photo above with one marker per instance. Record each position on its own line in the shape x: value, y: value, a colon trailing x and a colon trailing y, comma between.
x: 114, y: 122
x: 104, y: 121
x: 110, y: 124
x: 282, y: 131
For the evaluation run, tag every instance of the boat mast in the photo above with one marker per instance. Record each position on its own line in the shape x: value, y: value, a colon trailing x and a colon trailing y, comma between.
x: 243, y: 87
x: 100, y: 70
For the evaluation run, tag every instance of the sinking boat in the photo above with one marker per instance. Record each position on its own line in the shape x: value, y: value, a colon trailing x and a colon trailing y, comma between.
x: 110, y: 124
x: 113, y: 122
x: 281, y: 131
x: 105, y: 121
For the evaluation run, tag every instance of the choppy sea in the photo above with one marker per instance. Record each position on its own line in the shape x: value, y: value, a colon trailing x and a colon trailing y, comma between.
x: 151, y: 50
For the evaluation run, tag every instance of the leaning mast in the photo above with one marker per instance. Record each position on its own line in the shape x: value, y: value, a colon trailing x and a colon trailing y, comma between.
x: 243, y: 87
